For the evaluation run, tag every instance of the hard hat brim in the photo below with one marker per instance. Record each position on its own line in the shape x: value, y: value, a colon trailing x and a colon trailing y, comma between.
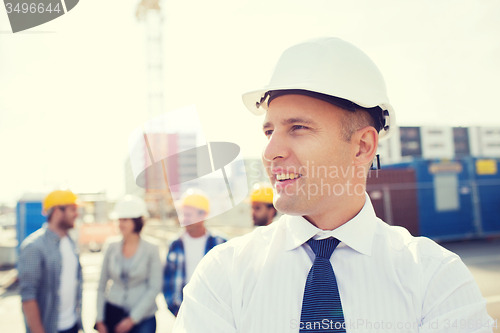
x: 252, y: 98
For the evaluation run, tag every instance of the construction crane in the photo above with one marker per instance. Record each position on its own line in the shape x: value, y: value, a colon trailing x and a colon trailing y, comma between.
x: 149, y: 12
x: 146, y: 5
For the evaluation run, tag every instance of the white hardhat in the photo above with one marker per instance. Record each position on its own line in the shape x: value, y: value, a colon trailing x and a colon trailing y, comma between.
x: 131, y: 207
x: 328, y: 66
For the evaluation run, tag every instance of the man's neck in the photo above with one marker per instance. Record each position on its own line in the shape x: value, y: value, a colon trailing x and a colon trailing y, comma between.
x: 59, y: 232
x: 196, y: 233
x: 338, y: 215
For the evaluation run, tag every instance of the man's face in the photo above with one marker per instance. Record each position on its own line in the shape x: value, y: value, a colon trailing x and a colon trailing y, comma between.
x: 68, y: 215
x: 192, y: 216
x: 304, y: 137
x: 260, y: 213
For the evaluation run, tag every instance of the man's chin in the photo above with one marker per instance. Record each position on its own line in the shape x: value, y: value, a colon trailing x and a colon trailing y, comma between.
x: 68, y: 226
x: 289, y: 207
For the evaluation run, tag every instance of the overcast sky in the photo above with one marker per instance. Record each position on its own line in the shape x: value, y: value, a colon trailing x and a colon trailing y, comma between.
x: 72, y: 90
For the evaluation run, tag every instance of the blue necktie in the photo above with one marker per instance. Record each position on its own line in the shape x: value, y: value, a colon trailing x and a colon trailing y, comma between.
x: 321, y: 306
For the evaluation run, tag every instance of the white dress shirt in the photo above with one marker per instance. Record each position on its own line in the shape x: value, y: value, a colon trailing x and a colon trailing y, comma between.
x: 388, y: 280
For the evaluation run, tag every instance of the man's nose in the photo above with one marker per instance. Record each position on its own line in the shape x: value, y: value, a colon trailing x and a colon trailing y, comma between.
x: 276, y: 147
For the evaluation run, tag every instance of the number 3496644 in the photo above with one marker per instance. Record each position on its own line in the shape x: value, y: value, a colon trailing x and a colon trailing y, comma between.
x: 32, y: 8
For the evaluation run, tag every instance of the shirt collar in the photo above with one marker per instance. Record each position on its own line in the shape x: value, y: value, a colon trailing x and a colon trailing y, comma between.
x: 52, y: 235
x: 356, y: 233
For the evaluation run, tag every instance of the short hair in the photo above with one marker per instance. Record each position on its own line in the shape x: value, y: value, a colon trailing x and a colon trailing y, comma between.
x: 51, y: 210
x: 138, y: 224
x: 272, y: 206
x: 351, y: 121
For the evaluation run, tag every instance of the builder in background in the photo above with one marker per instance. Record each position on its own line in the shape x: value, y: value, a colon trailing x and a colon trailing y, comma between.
x: 50, y: 274
x: 186, y: 250
x: 263, y: 211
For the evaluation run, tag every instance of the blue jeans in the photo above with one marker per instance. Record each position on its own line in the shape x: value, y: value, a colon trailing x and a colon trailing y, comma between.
x: 146, y: 326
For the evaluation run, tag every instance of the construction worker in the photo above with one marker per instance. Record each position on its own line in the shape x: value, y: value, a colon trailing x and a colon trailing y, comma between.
x: 328, y: 264
x: 187, y: 249
x: 263, y: 211
x: 132, y: 263
x: 50, y: 274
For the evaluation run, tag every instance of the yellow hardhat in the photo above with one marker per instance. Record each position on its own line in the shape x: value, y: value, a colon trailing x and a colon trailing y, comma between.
x: 196, y: 199
x: 59, y: 198
x: 262, y: 193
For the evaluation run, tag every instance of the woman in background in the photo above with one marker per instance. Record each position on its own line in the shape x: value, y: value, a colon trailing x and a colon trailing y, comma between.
x: 133, y: 265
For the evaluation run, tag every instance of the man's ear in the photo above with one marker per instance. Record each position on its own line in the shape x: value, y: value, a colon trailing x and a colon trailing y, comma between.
x: 205, y: 214
x: 270, y: 213
x: 365, y: 143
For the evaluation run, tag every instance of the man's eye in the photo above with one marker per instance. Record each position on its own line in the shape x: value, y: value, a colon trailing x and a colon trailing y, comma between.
x: 268, y: 132
x: 296, y: 127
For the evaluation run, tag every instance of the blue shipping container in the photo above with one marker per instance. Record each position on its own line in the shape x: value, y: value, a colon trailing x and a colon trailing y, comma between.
x: 457, y: 198
x: 29, y: 217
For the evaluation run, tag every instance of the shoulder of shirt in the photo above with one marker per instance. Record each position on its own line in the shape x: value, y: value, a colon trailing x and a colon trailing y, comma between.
x: 220, y: 236
x: 117, y: 239
x: 175, y: 239
x: 114, y: 243
x: 399, y: 239
x: 36, y: 239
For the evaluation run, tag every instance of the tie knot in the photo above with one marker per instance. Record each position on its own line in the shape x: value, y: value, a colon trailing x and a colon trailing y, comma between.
x: 323, y: 247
